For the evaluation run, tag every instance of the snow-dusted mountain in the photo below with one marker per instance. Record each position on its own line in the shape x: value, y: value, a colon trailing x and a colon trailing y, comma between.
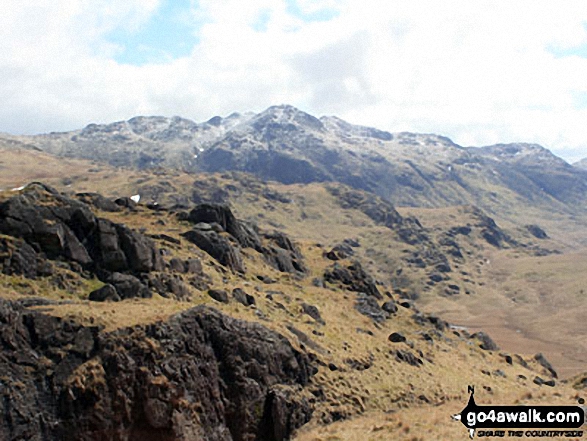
x: 288, y: 145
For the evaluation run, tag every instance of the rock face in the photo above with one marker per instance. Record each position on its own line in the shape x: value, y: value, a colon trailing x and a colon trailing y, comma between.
x: 65, y: 228
x: 201, y: 375
x: 43, y: 224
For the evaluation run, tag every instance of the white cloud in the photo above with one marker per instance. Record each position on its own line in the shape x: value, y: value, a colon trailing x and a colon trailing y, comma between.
x: 480, y: 72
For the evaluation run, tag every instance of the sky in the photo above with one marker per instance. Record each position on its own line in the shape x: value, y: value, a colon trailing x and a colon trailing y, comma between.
x: 480, y: 72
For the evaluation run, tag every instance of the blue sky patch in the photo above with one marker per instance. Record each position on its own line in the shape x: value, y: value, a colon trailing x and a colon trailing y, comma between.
x: 171, y: 33
x: 325, y: 14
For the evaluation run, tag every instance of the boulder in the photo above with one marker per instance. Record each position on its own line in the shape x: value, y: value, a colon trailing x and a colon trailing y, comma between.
x: 537, y: 232
x: 354, y: 278
x: 486, y: 342
x: 217, y: 246
x: 127, y: 286
x: 313, y: 312
x: 281, y: 253
x: 390, y: 307
x: 17, y: 257
x: 242, y: 297
x: 541, y: 359
x: 219, y: 295
x: 396, y: 337
x: 99, y: 201
x: 368, y: 306
x: 106, y: 293
x: 169, y: 286
x: 65, y: 229
x: 221, y: 214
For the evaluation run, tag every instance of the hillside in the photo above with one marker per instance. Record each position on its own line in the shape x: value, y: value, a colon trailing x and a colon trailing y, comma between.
x: 152, y: 322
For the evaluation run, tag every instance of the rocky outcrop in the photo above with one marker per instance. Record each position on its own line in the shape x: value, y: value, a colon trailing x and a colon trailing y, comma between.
x: 353, y: 277
x: 42, y: 224
x: 281, y: 253
x: 201, y: 375
x: 220, y: 234
x: 218, y: 246
x: 221, y: 214
x: 64, y: 228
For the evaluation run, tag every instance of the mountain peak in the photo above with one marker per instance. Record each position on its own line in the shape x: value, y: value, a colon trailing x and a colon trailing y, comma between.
x: 287, y: 114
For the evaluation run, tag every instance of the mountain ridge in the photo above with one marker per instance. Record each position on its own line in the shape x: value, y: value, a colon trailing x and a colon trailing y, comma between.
x: 285, y: 144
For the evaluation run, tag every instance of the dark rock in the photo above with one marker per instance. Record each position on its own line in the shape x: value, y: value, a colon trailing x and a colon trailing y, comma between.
x: 219, y: 295
x: 265, y: 279
x: 369, y: 307
x: 282, y: 253
x: 127, y: 286
x: 541, y: 359
x: 65, y: 229
x: 166, y: 238
x: 126, y: 202
x: 140, y: 252
x: 169, y: 286
x: 177, y: 265
x: 99, y: 201
x: 18, y: 257
x: 396, y: 337
x: 425, y: 319
x: 340, y: 251
x: 221, y: 214
x: 464, y: 230
x: 332, y: 367
x: 486, y: 342
x: 443, y: 267
x: 242, y: 297
x: 318, y: 282
x: 452, y: 289
x: 354, y: 278
x: 313, y: 312
x: 304, y: 339
x: 217, y: 246
x: 331, y: 255
x: 352, y: 243
x: 242, y: 380
x: 537, y: 232
x: 405, y: 304
x: 193, y: 266
x: 390, y: 307
x: 540, y: 382
x: 359, y: 365
x: 105, y: 293
x: 408, y: 357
